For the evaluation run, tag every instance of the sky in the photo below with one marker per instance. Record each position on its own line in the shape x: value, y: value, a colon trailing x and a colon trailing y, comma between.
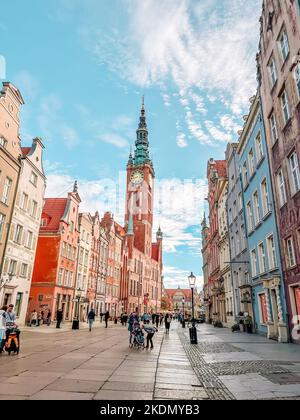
x: 83, y: 66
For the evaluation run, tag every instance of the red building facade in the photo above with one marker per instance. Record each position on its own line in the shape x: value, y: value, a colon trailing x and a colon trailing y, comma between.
x: 53, y: 281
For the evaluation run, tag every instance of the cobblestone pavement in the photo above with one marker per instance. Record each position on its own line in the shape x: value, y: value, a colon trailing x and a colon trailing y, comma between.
x: 77, y: 365
x: 243, y: 367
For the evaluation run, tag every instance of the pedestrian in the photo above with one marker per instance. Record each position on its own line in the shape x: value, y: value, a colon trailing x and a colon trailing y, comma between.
x: 2, y: 327
x: 39, y: 319
x: 132, y: 320
x: 106, y: 318
x: 150, y: 333
x: 157, y: 320
x: 168, y: 320
x: 161, y: 319
x: 153, y: 318
x: 42, y: 317
x: 33, y: 318
x: 91, y: 318
x: 10, y: 321
x: 49, y: 318
x: 59, y: 317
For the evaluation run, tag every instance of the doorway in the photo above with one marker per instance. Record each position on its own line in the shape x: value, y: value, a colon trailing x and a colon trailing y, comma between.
x: 274, y: 311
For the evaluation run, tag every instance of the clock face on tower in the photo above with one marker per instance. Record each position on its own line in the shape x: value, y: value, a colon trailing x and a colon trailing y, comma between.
x: 137, y: 177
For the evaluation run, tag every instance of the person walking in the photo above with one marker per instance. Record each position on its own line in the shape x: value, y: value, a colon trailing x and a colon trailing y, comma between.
x: 91, y: 318
x: 167, y: 323
x: 59, y: 317
x: 39, y: 319
x: 33, y: 318
x: 157, y: 320
x: 49, y: 318
x: 10, y: 321
x: 2, y: 327
x: 106, y: 318
x: 150, y: 334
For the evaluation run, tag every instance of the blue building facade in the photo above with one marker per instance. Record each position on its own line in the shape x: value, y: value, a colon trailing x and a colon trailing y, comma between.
x: 268, y: 295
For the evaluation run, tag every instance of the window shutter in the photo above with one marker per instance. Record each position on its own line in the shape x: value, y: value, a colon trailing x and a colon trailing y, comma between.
x: 11, y: 232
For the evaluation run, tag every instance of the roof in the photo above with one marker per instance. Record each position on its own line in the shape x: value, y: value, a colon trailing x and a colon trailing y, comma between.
x: 120, y: 229
x: 25, y: 150
x: 53, y: 211
x: 172, y: 292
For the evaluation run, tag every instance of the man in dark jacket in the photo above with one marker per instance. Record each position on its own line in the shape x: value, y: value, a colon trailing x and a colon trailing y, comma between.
x: 106, y: 317
x: 59, y: 317
x: 91, y: 318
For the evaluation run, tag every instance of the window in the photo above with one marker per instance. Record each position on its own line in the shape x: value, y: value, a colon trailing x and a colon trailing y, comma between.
x: 285, y: 107
x: 264, y: 197
x: 29, y: 240
x: 66, y: 278
x: 297, y: 78
x: 44, y: 222
x: 24, y: 201
x: 271, y: 252
x: 294, y: 172
x: 251, y: 162
x: 64, y: 248
x: 3, y: 142
x: 24, y: 269
x: 272, y: 71
x: 263, y: 309
x: 249, y: 217
x: 259, y: 148
x: 281, y: 188
x: 18, y: 304
x: 291, y: 260
x: 229, y: 217
x: 284, y: 45
x: 238, y: 246
x: 33, y: 208
x: 60, y: 276
x: 71, y: 227
x: 234, y: 210
x: 2, y: 222
x: 240, y: 201
x: 6, y: 190
x: 254, y: 263
x: 256, y: 208
x: 262, y: 258
x: 87, y: 238
x: 33, y: 178
x: 245, y: 174
x: 70, y: 279
x: 18, y: 234
x: 273, y: 127
x: 12, y: 267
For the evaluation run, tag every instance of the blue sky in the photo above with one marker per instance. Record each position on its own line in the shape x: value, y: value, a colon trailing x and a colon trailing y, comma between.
x: 83, y: 66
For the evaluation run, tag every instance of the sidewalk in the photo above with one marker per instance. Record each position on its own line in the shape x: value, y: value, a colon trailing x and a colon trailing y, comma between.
x: 66, y: 326
x: 243, y: 366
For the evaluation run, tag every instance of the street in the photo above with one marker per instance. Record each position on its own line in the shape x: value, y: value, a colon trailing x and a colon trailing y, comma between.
x: 79, y: 365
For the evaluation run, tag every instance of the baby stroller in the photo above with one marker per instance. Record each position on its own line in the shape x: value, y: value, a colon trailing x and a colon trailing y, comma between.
x: 137, y: 338
x: 12, y: 341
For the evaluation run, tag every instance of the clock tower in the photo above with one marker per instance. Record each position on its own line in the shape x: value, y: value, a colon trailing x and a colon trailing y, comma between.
x: 140, y: 189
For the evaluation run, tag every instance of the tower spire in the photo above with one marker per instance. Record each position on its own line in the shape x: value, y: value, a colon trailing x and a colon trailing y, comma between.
x: 141, y: 155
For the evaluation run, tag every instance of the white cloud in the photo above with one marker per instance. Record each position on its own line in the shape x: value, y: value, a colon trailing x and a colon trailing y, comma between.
x: 175, y: 277
x: 181, y: 140
x: 114, y: 139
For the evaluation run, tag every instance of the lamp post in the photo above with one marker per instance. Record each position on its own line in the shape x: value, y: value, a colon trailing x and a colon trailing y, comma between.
x: 183, y: 315
x: 3, y: 282
x: 193, y: 329
x: 75, y: 323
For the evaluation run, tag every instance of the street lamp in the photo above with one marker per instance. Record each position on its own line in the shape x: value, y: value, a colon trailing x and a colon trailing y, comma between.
x: 193, y: 330
x: 183, y: 316
x: 3, y: 282
x: 75, y: 323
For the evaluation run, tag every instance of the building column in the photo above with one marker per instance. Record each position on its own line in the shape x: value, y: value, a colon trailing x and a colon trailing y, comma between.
x: 282, y: 328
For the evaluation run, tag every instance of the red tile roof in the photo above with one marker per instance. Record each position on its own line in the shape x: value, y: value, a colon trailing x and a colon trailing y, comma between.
x: 53, y: 211
x: 186, y: 292
x: 25, y: 150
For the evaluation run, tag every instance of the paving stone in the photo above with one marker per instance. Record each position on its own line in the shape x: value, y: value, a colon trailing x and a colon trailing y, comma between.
x: 86, y: 375
x: 60, y: 395
x: 20, y: 389
x: 73, y: 385
x: 122, y: 395
x: 136, y: 379
x: 128, y: 386
x: 180, y: 394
